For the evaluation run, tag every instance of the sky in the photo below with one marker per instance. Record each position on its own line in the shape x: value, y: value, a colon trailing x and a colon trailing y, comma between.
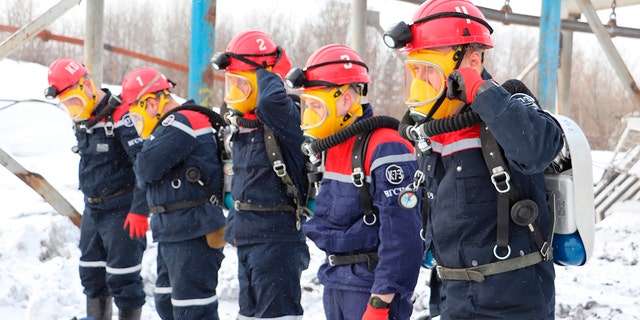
x: 39, y: 255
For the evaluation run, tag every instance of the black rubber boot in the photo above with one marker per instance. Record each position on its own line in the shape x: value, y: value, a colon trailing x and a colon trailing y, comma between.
x: 130, y: 314
x: 99, y: 308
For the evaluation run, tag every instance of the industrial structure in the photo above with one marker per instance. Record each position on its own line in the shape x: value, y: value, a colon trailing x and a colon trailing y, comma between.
x: 557, y: 23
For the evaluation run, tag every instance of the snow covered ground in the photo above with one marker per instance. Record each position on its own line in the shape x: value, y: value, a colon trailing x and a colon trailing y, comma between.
x: 39, y: 254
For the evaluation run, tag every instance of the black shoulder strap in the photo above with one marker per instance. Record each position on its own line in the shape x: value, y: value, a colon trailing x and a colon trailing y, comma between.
x: 277, y: 162
x: 358, y: 175
x: 501, y: 181
x: 507, y: 194
x: 279, y: 166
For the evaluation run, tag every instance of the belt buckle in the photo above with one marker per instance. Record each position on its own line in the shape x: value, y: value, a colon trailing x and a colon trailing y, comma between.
x: 331, y: 260
x: 440, y: 272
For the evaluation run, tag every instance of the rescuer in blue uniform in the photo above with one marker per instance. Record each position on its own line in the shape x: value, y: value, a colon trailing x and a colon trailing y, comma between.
x: 373, y: 259
x: 265, y: 218
x: 488, y: 224
x: 108, y: 143
x: 180, y: 168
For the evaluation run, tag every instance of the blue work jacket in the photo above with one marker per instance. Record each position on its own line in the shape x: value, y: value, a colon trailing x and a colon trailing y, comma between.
x: 338, y: 226
x: 462, y: 220
x: 185, y: 140
x: 254, y: 180
x: 107, y: 152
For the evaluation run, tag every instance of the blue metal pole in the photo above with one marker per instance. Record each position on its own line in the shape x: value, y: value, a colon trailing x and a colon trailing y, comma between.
x: 549, y: 53
x: 203, y: 23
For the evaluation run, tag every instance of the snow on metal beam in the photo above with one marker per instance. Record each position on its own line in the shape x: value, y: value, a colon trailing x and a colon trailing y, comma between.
x: 34, y: 27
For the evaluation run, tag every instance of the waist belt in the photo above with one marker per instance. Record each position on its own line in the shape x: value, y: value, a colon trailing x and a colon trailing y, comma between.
x: 102, y: 199
x: 182, y: 205
x: 478, y: 273
x: 371, y: 258
x: 243, y: 206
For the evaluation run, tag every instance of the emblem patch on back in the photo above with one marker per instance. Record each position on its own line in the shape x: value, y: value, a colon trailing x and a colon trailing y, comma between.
x: 394, y: 174
x: 127, y: 121
x: 169, y: 120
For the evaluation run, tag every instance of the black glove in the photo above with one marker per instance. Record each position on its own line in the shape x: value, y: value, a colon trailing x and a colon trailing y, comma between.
x: 515, y: 86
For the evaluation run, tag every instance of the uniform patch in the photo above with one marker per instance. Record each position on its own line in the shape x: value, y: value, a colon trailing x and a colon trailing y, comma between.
x: 168, y: 120
x: 127, y: 121
x: 102, y: 147
x: 394, y: 174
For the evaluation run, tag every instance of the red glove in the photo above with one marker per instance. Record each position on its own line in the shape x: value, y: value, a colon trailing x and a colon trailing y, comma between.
x: 463, y: 84
x: 375, y: 314
x: 283, y: 65
x: 138, y: 225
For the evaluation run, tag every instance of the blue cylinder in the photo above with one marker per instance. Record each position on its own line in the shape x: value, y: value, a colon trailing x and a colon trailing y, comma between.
x: 568, y: 249
x: 428, y: 261
x: 228, y: 201
x: 311, y: 204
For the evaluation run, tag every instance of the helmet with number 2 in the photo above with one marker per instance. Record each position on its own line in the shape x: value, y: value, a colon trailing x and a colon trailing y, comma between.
x: 329, y: 73
x: 245, y: 53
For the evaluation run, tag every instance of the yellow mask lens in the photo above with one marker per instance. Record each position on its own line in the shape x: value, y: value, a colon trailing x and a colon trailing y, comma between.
x: 319, y: 111
x: 314, y: 111
x: 241, y: 91
x: 74, y: 107
x: 77, y: 102
x: 426, y: 72
x: 138, y: 122
x: 142, y: 121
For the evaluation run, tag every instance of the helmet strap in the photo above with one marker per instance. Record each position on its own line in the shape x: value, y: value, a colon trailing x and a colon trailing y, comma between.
x: 162, y: 101
x: 242, y: 57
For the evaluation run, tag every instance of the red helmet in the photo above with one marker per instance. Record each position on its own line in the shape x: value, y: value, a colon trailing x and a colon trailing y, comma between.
x: 254, y: 46
x: 442, y: 23
x: 335, y: 64
x: 142, y: 81
x: 63, y: 73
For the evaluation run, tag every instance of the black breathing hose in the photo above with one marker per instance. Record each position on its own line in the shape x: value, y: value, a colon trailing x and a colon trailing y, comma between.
x: 252, y: 124
x: 438, y: 126
x: 365, y: 125
x: 458, y: 122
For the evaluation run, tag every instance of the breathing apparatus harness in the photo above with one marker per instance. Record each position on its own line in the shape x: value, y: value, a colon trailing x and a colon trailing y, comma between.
x: 113, y: 102
x: 523, y: 212
x: 193, y: 174
x: 314, y: 150
x: 279, y: 166
x: 362, y: 130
